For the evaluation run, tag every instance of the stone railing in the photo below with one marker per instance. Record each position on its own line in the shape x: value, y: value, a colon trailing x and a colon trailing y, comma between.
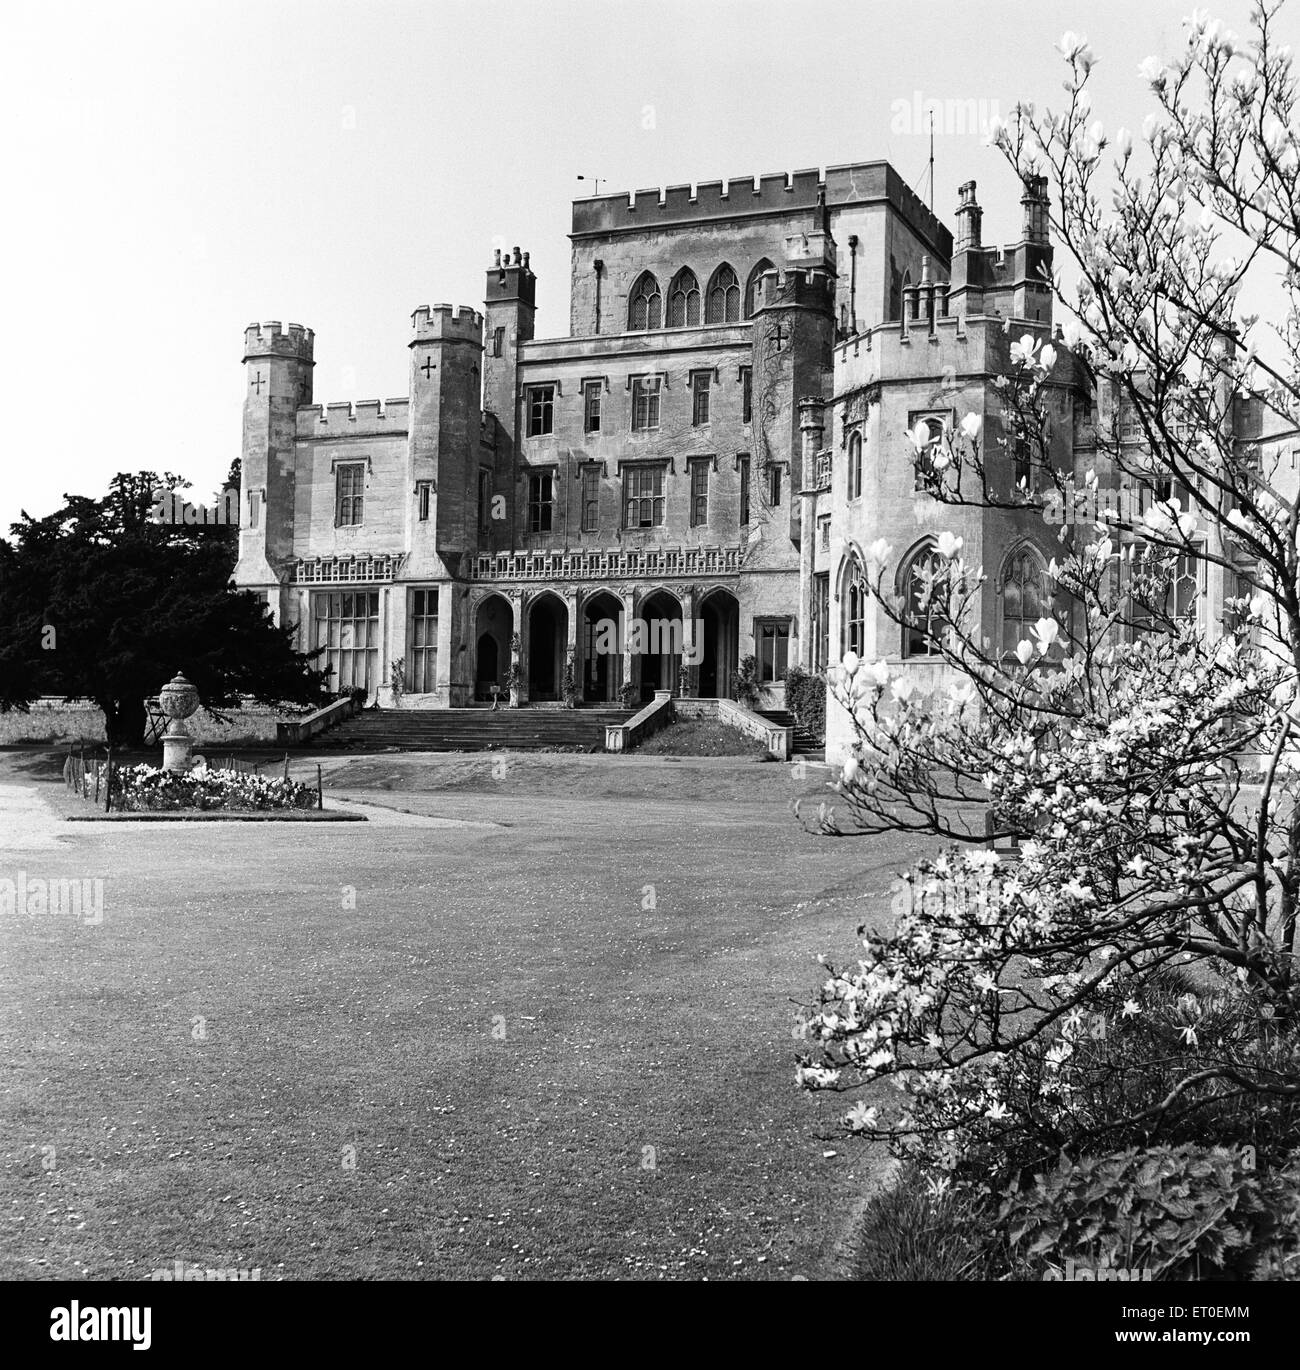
x: 778, y: 741
x: 360, y: 568
x: 622, y: 737
x: 295, y: 731
x: 617, y: 563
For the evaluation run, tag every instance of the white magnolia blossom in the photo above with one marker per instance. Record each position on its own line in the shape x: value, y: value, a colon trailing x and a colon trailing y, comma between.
x: 1046, y: 632
x: 920, y: 437
x: 1103, y: 750
x: 879, y: 552
x: 1022, y: 351
x: 1153, y: 70
x: 877, y: 672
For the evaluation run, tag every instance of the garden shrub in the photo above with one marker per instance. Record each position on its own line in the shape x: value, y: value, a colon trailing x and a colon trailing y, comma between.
x: 805, y: 697
x: 747, y: 690
x: 1166, y: 1213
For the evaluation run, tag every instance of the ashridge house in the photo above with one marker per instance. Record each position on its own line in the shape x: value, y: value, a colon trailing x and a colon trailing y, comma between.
x: 708, y: 451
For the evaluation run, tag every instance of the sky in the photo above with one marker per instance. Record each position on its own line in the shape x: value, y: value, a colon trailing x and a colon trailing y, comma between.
x: 178, y: 170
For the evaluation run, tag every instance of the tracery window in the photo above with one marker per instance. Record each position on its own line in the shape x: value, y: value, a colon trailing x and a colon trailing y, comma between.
x: 645, y: 306
x: 684, y: 300
x: 724, y: 297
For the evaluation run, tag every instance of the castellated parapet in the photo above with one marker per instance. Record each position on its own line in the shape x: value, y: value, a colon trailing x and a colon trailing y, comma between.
x: 271, y: 340
x: 780, y: 193
x: 446, y: 323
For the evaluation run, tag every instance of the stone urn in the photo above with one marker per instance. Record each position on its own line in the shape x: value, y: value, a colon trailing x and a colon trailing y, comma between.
x: 178, y: 699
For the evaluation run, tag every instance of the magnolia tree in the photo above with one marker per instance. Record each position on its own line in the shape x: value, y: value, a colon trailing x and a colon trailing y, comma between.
x: 1132, y: 974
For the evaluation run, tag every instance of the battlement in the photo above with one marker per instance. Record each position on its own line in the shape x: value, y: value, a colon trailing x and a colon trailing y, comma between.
x: 511, y: 279
x: 894, y: 351
x: 779, y: 193
x: 271, y: 340
x: 445, y: 322
x: 354, y: 417
x: 810, y: 288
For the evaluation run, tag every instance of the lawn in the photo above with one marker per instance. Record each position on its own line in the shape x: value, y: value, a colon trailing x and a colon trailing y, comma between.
x: 701, y: 737
x: 536, y: 1025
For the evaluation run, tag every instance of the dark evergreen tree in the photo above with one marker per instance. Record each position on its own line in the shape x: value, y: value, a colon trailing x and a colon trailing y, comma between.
x: 101, y: 600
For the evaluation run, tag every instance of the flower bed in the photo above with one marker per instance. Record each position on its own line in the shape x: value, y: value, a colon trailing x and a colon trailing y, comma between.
x: 151, y: 788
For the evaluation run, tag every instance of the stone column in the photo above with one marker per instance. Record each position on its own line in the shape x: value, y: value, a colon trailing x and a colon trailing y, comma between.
x: 630, y: 674
x: 571, y: 645
x: 691, y: 690
x: 519, y: 656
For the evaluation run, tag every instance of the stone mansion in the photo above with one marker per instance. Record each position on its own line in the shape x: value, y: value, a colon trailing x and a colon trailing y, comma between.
x: 712, y: 445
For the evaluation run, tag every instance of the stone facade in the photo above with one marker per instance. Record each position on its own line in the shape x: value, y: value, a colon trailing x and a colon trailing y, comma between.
x: 526, y: 496
x: 708, y: 453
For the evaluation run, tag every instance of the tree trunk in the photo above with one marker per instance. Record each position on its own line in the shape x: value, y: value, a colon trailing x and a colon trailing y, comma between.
x: 124, y: 721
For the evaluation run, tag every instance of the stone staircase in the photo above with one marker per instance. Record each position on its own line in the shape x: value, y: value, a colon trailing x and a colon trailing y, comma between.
x: 803, y: 742
x: 474, y: 730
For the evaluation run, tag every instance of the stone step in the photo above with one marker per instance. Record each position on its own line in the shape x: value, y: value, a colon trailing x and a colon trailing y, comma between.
x: 803, y: 740
x: 476, y: 729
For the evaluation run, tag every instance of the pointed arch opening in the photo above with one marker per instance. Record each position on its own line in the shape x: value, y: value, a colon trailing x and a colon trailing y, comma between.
x: 660, y: 642
x: 548, y: 630
x: 923, y: 621
x: 753, y: 286
x: 645, y: 304
x: 494, y: 622
x: 602, y: 653
x: 720, y: 612
x: 684, y: 300
x: 1025, y: 594
x: 723, y: 302
x: 853, y: 612
x: 855, y: 465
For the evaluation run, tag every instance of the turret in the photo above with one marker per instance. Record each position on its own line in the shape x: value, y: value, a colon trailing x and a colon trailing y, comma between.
x: 1033, y: 255
x: 794, y: 332
x: 510, y: 306
x: 443, y: 443
x: 278, y: 381
x: 969, y: 218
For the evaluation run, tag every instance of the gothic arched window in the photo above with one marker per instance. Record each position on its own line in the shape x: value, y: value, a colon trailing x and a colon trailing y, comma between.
x: 922, y: 619
x: 855, y: 465
x: 645, y: 305
x: 752, y: 286
x: 684, y: 300
x: 1026, y: 597
x: 854, y: 599
x: 723, y: 305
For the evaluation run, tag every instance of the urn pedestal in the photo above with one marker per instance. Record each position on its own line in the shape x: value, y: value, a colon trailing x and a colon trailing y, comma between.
x: 178, y: 699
